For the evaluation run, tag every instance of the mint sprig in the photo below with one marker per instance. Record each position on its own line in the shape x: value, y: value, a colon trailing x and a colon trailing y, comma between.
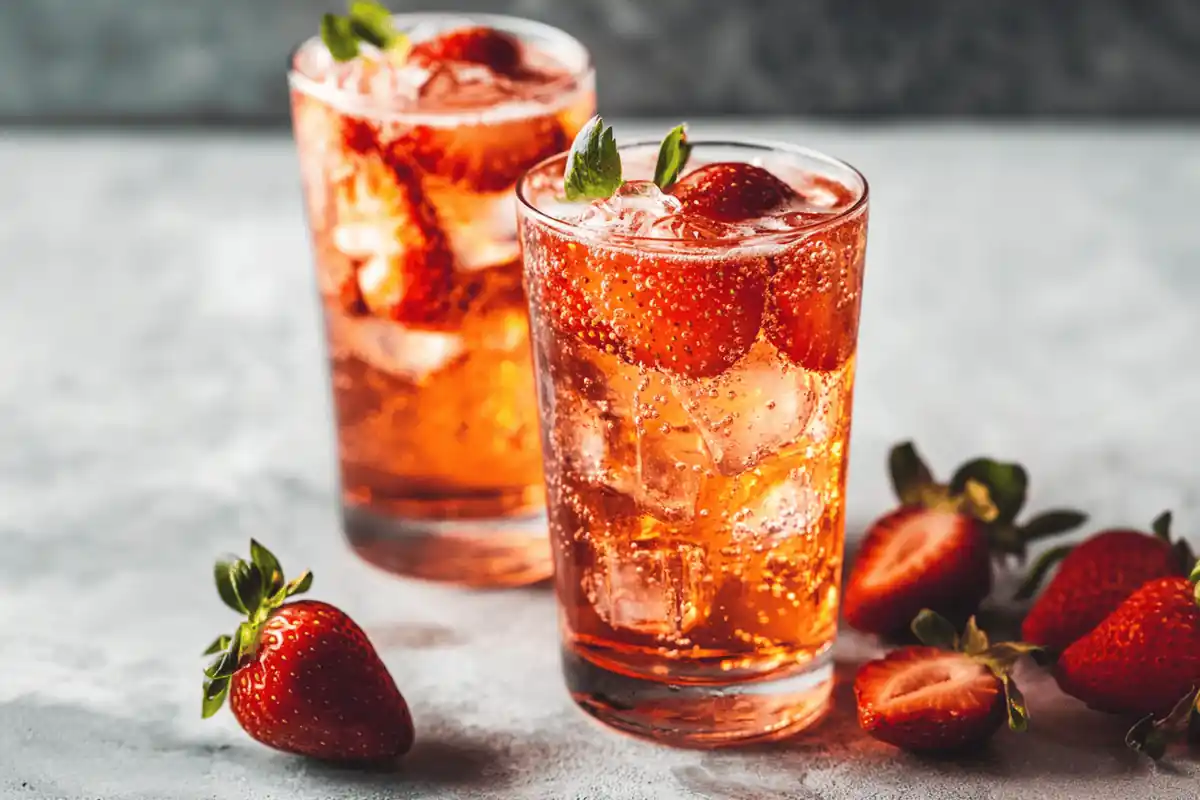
x: 368, y: 22
x: 594, y: 165
x: 673, y: 155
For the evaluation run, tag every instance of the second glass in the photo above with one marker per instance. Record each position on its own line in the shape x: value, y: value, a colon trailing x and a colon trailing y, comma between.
x: 408, y: 172
x: 695, y: 381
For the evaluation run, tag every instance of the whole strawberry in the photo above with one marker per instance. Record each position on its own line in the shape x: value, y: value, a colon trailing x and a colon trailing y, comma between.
x: 1095, y: 577
x: 948, y: 696
x: 1143, y: 657
x: 301, y: 676
x: 936, y: 550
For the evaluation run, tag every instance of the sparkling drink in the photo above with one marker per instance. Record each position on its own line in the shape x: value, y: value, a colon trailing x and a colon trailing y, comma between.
x: 695, y: 373
x: 408, y: 165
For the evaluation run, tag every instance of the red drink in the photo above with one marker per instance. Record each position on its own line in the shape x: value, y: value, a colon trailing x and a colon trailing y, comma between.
x: 409, y: 168
x: 695, y: 362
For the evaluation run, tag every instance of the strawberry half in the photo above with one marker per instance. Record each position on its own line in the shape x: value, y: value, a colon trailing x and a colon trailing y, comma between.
x: 301, y: 676
x: 478, y: 44
x: 404, y: 268
x: 935, y: 551
x: 1095, y: 577
x: 732, y: 191
x: 949, y: 696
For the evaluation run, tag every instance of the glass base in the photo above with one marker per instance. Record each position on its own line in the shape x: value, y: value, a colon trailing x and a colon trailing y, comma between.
x: 479, y: 553
x: 702, y: 715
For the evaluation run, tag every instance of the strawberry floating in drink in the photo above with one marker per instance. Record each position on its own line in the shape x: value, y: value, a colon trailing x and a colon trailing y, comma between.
x: 1095, y: 577
x: 300, y: 675
x: 936, y: 550
x: 948, y: 696
x: 412, y: 130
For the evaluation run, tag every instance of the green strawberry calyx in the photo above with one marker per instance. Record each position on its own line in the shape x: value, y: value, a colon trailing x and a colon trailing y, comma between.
x: 253, y: 588
x: 991, y: 491
x: 934, y: 630
x: 1150, y: 736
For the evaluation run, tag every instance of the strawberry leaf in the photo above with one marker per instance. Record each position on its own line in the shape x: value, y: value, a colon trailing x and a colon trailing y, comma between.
x: 1018, y: 713
x: 222, y: 642
x: 214, y: 696
x: 1041, y: 567
x: 909, y: 473
x: 338, y: 35
x: 247, y: 584
x: 223, y: 574
x: 268, y: 567
x: 299, y: 585
x: 1162, y: 526
x: 593, y: 164
x: 974, y: 641
x: 223, y: 665
x: 1006, y: 484
x: 934, y: 630
x: 1003, y: 656
x: 673, y: 155
x: 1051, y: 523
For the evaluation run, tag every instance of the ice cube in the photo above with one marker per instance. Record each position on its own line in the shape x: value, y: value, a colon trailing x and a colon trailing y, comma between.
x: 656, y: 586
x: 671, y: 456
x: 410, y: 354
x: 760, y: 405
x: 693, y: 227
x: 631, y: 211
x: 483, y: 235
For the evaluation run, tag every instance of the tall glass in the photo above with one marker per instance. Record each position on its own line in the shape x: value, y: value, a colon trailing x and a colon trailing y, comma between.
x: 408, y: 170
x: 697, y: 504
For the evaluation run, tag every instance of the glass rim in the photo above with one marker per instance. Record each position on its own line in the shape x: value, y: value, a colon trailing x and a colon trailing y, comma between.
x: 354, y: 102
x: 576, y: 230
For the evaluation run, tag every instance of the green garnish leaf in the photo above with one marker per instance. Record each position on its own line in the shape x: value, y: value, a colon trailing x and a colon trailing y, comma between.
x: 1037, y: 573
x: 593, y: 164
x: 934, y: 630
x: 268, y: 566
x: 673, y: 155
x: 372, y: 23
x: 222, y: 642
x: 338, y: 35
x: 1018, y: 713
x: 909, y: 473
x: 1006, y: 484
x: 214, y: 696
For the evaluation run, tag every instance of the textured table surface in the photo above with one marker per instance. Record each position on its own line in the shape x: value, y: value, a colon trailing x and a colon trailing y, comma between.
x: 1031, y: 292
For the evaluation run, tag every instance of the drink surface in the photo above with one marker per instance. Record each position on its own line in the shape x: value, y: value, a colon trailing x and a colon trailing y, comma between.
x: 408, y: 170
x: 696, y: 374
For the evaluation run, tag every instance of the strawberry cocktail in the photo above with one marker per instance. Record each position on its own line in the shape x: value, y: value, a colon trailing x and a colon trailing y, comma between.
x: 695, y: 348
x: 412, y: 131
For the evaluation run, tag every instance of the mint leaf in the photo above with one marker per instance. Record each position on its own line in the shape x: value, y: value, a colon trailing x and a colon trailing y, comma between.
x: 338, y: 35
x: 673, y: 154
x: 593, y: 165
x: 372, y: 23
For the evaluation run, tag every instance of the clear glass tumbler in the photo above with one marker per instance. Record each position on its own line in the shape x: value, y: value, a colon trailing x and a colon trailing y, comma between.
x: 408, y: 169
x: 695, y: 382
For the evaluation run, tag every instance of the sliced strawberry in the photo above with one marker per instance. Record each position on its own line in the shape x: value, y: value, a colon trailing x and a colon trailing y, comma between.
x: 732, y: 191
x: 499, y: 51
x: 926, y: 699
x: 915, y: 558
x: 815, y: 294
x: 484, y: 158
x: 405, y: 268
x: 690, y: 316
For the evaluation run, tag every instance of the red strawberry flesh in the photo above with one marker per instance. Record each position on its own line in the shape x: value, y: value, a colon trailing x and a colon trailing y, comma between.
x: 499, y: 51
x: 915, y: 558
x: 925, y: 699
x: 316, y: 687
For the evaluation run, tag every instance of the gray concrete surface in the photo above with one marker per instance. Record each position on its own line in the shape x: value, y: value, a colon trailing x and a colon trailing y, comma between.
x: 1031, y: 292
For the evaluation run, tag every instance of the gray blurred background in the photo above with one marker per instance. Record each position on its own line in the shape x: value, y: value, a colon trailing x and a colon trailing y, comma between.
x: 221, y: 62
